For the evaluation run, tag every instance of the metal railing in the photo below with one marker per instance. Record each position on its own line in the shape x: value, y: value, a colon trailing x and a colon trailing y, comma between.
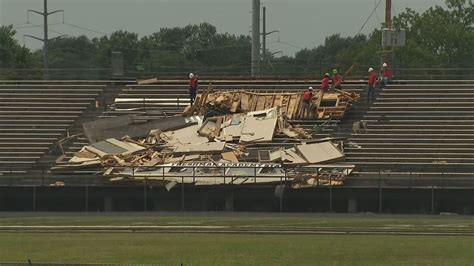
x: 235, y: 174
x: 315, y: 70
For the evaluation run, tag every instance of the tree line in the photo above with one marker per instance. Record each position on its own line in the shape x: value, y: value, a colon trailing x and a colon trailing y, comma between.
x: 437, y: 38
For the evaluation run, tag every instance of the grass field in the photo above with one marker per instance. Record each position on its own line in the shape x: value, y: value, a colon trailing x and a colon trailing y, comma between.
x: 242, y: 221
x: 241, y: 249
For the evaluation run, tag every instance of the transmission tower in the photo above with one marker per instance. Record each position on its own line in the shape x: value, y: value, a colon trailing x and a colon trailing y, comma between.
x: 45, y: 39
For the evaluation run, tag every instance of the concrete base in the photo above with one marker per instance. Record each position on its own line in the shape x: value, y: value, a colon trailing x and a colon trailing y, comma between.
x: 352, y: 205
x: 229, y: 203
x: 108, y: 204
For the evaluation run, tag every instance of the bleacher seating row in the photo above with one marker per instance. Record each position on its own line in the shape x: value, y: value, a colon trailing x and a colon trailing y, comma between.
x: 417, y: 128
x: 34, y: 117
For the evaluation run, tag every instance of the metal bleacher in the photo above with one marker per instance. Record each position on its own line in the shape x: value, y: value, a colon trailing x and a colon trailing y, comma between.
x: 422, y: 129
x: 34, y: 117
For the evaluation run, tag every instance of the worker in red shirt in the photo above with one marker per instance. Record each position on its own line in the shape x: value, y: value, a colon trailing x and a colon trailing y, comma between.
x: 336, y: 80
x: 371, y: 85
x: 307, y: 97
x: 325, y: 83
x: 193, y: 87
x: 386, y: 75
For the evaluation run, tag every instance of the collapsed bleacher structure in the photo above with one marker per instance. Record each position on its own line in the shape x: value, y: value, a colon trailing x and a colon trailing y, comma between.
x: 233, y: 137
x: 416, y: 138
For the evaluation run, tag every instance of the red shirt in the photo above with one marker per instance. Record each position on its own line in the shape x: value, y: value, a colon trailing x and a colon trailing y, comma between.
x: 337, y: 80
x: 386, y: 73
x: 193, y: 84
x: 325, y: 84
x: 307, y: 95
x: 372, y: 79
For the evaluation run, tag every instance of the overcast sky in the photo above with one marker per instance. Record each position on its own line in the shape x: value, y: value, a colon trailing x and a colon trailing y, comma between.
x: 302, y: 23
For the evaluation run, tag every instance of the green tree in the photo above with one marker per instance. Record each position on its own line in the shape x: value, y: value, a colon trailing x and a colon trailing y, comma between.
x: 13, y: 56
x: 73, y: 53
x: 438, y: 37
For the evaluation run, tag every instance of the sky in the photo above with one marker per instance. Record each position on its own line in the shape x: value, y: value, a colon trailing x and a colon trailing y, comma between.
x: 302, y: 23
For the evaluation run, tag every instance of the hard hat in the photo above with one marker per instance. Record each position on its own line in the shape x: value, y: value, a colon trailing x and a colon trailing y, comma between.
x: 310, y: 88
x: 385, y: 65
x: 191, y: 75
x: 334, y: 71
x: 327, y: 74
x: 371, y: 69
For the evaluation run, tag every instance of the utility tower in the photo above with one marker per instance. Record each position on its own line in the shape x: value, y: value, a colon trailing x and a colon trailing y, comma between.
x: 255, y: 64
x: 388, y: 25
x: 264, y: 41
x: 45, y: 39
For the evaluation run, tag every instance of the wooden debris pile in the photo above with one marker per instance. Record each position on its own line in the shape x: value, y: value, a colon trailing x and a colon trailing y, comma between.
x: 240, y: 147
x: 329, y: 105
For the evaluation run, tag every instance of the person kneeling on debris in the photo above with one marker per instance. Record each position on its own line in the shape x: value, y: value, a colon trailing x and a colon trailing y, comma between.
x: 371, y: 85
x: 325, y: 83
x: 193, y: 87
x: 386, y: 75
x: 307, y: 96
x: 336, y: 79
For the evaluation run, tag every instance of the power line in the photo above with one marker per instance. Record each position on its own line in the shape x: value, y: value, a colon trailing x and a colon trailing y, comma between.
x: 291, y: 45
x: 371, y: 13
x: 84, y: 28
x: 376, y: 14
x: 41, y: 26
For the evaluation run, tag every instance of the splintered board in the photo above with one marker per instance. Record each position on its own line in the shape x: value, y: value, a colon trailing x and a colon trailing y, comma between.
x: 293, y: 105
x: 269, y: 101
x: 331, y: 112
x: 277, y: 101
x: 253, y: 102
x: 235, y: 102
x: 284, y: 103
x: 245, y: 102
x: 260, y: 103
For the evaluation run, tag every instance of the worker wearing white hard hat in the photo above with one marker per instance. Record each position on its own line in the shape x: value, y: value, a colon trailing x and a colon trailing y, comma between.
x: 307, y: 97
x: 386, y: 75
x: 193, y: 87
x: 371, y: 85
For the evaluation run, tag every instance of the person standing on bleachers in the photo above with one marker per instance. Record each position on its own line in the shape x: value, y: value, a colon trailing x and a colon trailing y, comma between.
x: 307, y: 97
x: 325, y: 83
x: 193, y: 87
x: 336, y: 80
x: 371, y: 85
x: 386, y: 75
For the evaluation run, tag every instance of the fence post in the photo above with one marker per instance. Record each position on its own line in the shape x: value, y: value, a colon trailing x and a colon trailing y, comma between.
x: 87, y: 199
x: 144, y: 195
x: 255, y: 174
x: 432, y: 199
x: 330, y: 194
x: 380, y: 195
x: 34, y: 198
x: 182, y: 193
